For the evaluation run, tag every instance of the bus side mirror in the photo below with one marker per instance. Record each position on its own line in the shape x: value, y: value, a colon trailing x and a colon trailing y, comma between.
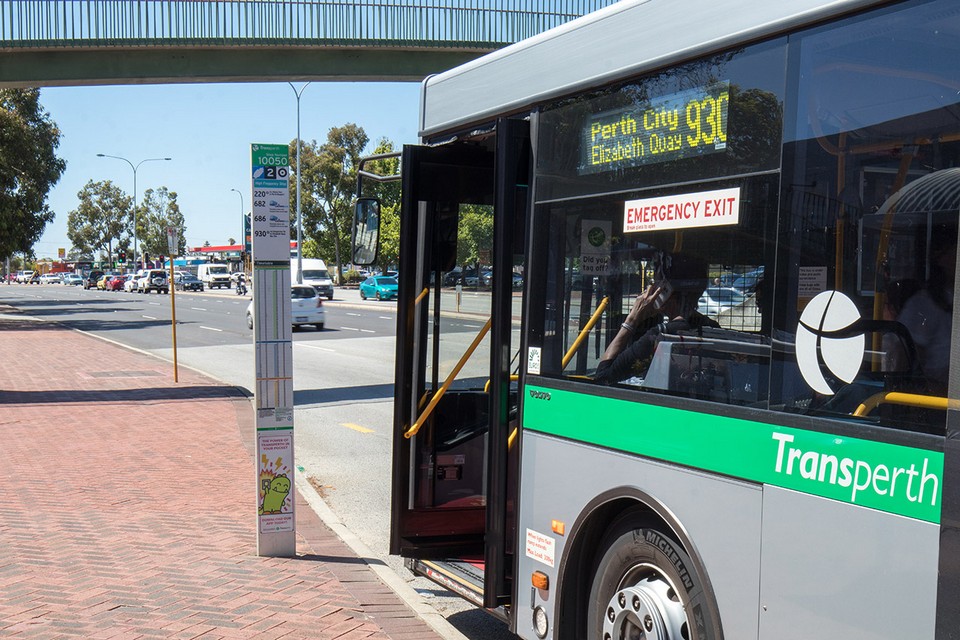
x: 366, y: 231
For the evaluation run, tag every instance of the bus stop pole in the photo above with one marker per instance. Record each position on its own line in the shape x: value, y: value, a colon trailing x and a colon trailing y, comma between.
x: 173, y: 315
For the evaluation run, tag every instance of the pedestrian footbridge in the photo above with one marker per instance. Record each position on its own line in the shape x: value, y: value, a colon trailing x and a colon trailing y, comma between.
x: 83, y: 42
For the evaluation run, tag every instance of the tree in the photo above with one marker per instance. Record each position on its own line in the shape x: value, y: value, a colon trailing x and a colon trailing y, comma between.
x: 101, y: 219
x: 158, y: 211
x: 328, y: 184
x: 29, y: 168
x: 475, y: 234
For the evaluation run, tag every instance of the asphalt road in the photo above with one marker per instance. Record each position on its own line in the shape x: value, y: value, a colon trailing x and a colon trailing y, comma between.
x: 343, y: 390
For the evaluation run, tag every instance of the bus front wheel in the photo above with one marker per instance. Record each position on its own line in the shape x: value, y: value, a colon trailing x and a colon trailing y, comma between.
x: 645, y: 587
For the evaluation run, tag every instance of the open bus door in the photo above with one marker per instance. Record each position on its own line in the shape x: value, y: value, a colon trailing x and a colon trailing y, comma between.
x: 457, y: 340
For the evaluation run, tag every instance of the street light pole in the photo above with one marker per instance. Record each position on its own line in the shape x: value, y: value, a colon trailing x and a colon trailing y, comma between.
x: 134, y: 167
x: 299, y: 222
x: 243, y: 228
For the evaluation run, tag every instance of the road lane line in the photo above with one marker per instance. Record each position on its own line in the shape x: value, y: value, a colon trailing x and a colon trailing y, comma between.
x: 211, y: 328
x: 148, y: 317
x: 359, y: 315
x: 304, y: 344
x: 387, y: 317
x: 349, y: 329
x: 367, y: 331
x: 198, y: 308
x: 356, y: 427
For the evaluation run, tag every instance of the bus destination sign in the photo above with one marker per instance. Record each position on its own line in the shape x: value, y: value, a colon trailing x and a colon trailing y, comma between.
x: 679, y: 125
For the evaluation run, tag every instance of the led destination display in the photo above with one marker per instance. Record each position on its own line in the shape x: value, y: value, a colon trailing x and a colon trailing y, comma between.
x: 679, y: 125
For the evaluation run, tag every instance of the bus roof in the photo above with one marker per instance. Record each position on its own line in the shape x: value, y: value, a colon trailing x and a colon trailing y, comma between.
x: 619, y: 41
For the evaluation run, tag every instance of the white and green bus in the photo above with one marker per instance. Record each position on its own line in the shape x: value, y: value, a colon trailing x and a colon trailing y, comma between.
x: 787, y: 468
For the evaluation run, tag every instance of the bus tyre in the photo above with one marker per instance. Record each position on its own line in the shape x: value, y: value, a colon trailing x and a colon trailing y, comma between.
x: 645, y: 587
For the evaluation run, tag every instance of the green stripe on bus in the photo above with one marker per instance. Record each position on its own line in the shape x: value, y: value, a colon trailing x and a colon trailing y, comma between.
x: 877, y: 475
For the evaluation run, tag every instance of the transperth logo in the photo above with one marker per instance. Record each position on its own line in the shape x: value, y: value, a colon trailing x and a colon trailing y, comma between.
x: 823, y: 345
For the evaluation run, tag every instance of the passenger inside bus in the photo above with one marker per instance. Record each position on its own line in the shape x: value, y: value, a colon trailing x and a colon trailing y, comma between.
x: 668, y: 306
x: 928, y: 313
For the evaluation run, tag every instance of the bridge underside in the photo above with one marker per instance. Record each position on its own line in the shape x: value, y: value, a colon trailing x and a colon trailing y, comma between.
x: 183, y: 64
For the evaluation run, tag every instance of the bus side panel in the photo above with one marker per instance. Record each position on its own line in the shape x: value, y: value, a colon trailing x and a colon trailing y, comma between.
x: 833, y: 570
x: 721, y: 516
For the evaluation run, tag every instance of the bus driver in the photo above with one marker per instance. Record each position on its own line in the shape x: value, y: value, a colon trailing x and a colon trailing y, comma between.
x: 668, y: 306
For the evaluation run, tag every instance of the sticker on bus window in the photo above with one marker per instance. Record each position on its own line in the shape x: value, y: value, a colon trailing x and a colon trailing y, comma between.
x: 533, y: 360
x: 683, y: 211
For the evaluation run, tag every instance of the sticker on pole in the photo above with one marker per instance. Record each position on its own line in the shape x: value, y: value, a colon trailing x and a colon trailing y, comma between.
x: 276, y: 481
x: 270, y: 173
x: 683, y: 211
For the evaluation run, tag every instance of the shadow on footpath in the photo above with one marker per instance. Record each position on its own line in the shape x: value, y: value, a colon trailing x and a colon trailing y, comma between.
x: 341, y: 394
x: 91, y: 326
x: 113, y: 396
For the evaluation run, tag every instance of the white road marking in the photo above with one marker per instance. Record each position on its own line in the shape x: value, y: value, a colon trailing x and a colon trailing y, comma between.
x: 312, y: 346
x: 349, y: 329
x: 358, y: 315
x: 367, y: 331
x: 198, y: 308
x: 148, y: 317
x: 211, y: 329
x: 387, y: 317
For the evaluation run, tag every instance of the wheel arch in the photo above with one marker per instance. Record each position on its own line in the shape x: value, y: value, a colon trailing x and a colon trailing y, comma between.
x: 582, y: 553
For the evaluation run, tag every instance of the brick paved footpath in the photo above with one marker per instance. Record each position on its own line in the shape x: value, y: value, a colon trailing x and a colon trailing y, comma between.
x: 127, y: 509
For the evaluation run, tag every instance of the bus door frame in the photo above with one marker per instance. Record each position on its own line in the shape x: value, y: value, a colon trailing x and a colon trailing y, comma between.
x: 446, y: 533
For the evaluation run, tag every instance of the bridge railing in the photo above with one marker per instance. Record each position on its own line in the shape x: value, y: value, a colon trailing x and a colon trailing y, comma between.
x: 468, y: 24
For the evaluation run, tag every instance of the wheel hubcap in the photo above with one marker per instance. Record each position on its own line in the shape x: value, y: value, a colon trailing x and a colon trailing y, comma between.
x: 646, y: 608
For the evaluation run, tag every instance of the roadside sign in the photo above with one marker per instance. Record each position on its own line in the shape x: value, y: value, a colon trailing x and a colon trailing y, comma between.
x: 61, y: 253
x: 173, y: 241
x: 273, y: 350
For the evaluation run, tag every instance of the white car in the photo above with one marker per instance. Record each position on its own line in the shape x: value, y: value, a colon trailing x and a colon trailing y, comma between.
x: 152, y: 280
x: 306, y: 307
x: 24, y: 276
x: 716, y: 300
x: 50, y: 278
x: 72, y: 279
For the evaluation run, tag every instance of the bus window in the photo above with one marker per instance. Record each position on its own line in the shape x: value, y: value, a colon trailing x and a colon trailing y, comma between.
x: 872, y: 200
x: 707, y: 341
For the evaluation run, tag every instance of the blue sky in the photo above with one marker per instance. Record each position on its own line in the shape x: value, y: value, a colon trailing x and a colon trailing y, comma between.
x: 207, y: 130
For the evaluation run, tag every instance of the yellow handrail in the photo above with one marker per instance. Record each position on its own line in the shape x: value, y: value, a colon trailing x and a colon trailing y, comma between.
x: 415, y: 427
x: 906, y: 399
x: 583, y: 332
x: 425, y: 291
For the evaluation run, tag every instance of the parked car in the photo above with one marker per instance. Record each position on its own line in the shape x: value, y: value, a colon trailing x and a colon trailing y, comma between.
x: 153, y: 280
x: 379, y: 287
x: 747, y: 283
x: 23, y: 277
x: 72, y: 279
x: 90, y: 280
x: 115, y: 283
x: 187, y: 282
x: 716, y: 300
x: 50, y: 278
x: 306, y: 307
x: 452, y: 278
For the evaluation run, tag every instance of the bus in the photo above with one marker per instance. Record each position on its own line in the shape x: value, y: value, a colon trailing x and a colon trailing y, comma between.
x: 782, y: 460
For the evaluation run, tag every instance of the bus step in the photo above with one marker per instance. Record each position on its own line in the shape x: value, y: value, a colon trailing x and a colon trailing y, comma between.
x: 462, y: 577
